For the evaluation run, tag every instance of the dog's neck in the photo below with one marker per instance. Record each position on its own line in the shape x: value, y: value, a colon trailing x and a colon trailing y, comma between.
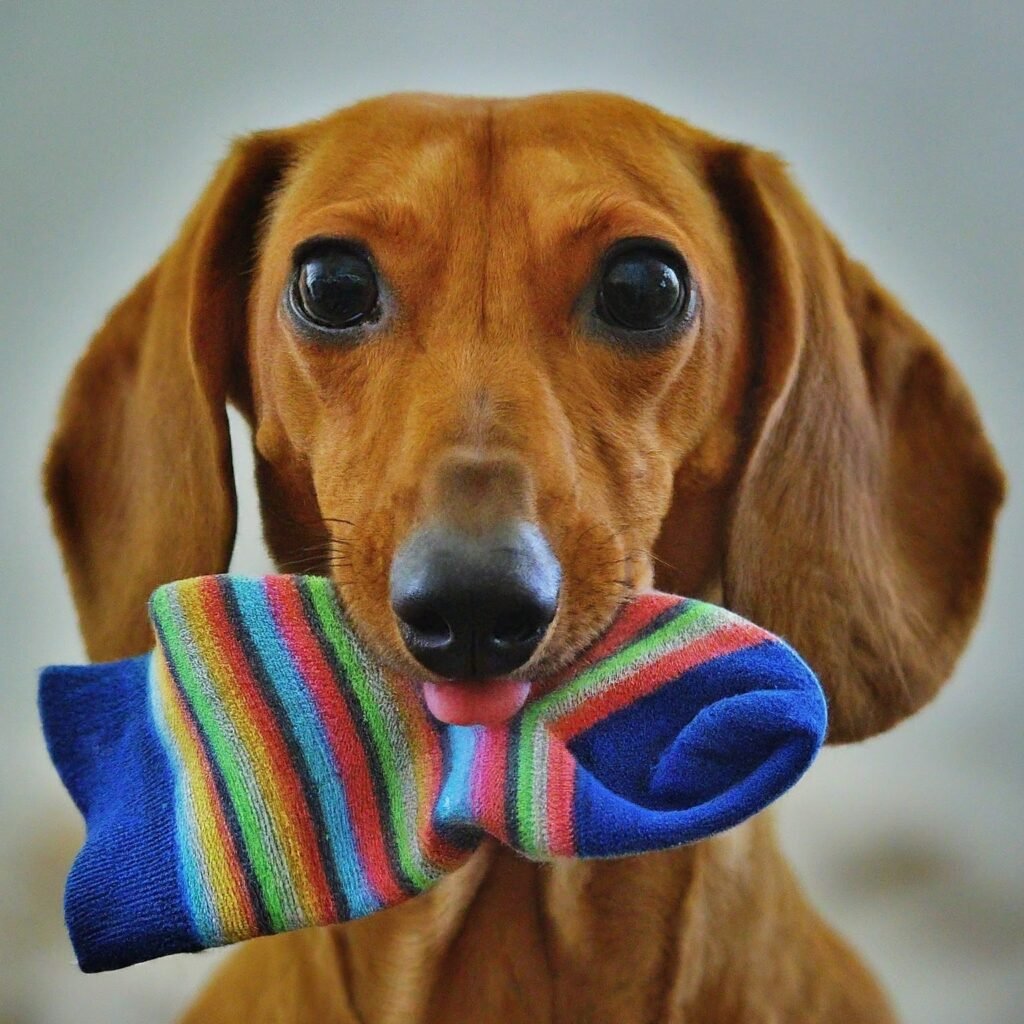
x: 636, y: 939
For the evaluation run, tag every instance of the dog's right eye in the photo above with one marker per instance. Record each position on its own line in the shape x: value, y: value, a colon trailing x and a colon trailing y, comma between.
x: 335, y: 287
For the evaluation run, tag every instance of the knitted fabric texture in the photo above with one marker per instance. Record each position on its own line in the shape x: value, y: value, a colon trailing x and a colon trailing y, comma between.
x: 259, y: 772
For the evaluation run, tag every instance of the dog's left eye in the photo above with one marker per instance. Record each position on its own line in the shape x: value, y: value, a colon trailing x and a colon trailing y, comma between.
x: 335, y: 287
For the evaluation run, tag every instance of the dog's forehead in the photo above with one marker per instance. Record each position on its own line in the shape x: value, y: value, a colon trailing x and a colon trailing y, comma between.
x: 408, y: 149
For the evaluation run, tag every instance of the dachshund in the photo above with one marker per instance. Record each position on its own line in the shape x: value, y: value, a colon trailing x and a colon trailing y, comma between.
x: 506, y: 362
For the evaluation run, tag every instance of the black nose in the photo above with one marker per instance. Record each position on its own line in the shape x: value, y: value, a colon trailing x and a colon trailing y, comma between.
x: 473, y: 607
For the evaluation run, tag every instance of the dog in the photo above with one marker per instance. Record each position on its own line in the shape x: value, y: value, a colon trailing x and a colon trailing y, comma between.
x: 505, y: 363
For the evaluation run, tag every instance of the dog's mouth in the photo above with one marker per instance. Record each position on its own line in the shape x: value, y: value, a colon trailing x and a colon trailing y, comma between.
x: 474, y: 608
x: 481, y: 622
x: 489, y: 702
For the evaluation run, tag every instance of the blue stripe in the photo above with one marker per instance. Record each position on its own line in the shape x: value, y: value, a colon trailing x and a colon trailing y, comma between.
x: 308, y: 729
x: 453, y: 805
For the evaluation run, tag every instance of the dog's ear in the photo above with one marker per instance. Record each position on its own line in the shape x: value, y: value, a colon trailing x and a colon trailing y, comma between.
x: 138, y: 475
x: 863, y: 519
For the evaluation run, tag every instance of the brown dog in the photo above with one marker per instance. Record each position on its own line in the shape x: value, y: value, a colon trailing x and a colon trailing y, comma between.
x: 580, y: 317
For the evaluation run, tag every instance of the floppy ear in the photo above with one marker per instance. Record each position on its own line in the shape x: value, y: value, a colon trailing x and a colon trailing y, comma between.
x: 138, y: 475
x: 863, y: 520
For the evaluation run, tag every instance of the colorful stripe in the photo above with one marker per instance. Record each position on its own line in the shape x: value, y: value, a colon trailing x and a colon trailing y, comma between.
x: 211, y: 870
x: 311, y: 786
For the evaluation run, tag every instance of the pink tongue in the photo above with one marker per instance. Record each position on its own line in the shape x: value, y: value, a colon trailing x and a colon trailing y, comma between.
x: 489, y: 702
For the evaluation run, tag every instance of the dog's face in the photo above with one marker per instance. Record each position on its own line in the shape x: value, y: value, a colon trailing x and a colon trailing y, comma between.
x: 479, y: 355
x: 502, y: 361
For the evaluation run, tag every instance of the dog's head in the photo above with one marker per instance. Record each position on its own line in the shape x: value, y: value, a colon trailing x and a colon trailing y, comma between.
x: 507, y: 361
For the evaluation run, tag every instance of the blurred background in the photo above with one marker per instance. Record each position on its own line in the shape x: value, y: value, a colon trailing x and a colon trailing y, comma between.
x: 905, y: 125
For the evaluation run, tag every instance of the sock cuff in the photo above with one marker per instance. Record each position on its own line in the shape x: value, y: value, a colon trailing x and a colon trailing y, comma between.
x: 123, y: 900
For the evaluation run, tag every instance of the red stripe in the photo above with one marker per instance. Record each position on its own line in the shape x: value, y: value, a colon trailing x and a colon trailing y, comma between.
x: 635, y: 685
x: 280, y: 772
x: 633, y: 619
x: 429, y: 759
x: 561, y: 791
x: 487, y: 791
x: 349, y: 759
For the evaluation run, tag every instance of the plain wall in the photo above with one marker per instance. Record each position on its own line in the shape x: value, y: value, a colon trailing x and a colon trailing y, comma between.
x: 904, y: 124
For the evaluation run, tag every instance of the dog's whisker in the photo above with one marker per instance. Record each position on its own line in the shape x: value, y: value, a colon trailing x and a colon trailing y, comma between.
x: 660, y: 561
x: 320, y: 547
x: 300, y: 565
x: 340, y: 522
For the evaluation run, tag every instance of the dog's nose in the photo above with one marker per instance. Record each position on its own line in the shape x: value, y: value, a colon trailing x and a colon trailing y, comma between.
x: 474, y: 606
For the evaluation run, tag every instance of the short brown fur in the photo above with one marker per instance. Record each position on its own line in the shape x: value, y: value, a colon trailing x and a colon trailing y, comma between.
x: 804, y: 454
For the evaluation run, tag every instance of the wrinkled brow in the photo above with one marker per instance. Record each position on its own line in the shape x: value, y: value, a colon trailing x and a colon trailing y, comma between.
x: 602, y: 214
x: 377, y: 215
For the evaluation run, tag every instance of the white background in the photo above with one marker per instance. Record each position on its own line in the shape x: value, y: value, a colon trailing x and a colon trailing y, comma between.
x: 904, y: 124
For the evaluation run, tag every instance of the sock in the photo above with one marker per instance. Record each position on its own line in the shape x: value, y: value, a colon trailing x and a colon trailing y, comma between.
x: 259, y: 772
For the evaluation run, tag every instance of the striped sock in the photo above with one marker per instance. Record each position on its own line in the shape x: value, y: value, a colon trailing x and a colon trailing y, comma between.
x: 259, y: 772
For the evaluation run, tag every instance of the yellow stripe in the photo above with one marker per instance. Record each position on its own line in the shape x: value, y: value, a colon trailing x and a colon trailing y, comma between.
x: 232, y: 701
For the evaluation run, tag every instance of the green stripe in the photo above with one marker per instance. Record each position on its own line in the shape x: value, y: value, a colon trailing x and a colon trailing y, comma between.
x: 534, y: 828
x: 322, y: 592
x: 526, y: 823
x: 694, y: 614
x: 551, y: 705
x: 228, y: 763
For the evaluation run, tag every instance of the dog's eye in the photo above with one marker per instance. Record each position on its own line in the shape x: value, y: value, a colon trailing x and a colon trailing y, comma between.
x: 643, y: 288
x: 335, y: 287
